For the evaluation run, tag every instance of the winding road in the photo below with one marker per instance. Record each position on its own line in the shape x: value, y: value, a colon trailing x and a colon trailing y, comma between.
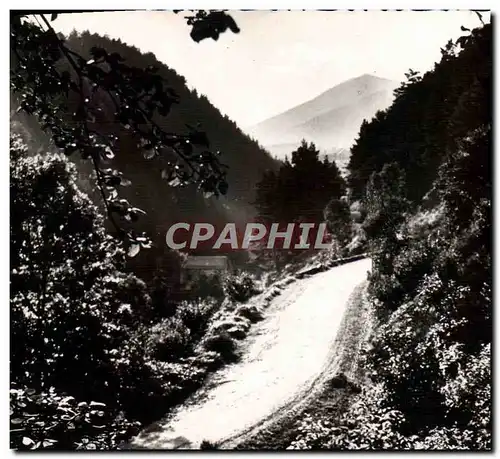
x: 285, y: 354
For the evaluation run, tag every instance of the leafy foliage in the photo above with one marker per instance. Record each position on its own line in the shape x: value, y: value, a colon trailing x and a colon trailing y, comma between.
x: 48, y: 420
x: 73, y: 312
x: 429, y: 363
x: 338, y: 219
x: 82, y: 328
x: 166, y: 204
x: 240, y: 287
x: 66, y: 289
x: 211, y: 24
x: 44, y: 85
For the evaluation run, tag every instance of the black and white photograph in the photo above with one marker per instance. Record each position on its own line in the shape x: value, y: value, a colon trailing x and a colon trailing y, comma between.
x: 250, y: 230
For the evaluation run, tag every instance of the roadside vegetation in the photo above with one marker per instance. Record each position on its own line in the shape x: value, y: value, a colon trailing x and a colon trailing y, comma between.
x: 88, y: 350
x: 422, y: 173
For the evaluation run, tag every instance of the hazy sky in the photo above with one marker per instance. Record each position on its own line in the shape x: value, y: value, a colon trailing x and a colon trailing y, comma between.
x: 281, y: 59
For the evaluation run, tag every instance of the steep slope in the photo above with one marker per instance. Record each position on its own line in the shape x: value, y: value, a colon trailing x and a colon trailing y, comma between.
x: 245, y: 159
x: 331, y: 119
x: 340, y: 126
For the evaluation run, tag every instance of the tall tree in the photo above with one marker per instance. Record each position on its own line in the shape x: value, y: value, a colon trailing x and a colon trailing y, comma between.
x: 301, y: 189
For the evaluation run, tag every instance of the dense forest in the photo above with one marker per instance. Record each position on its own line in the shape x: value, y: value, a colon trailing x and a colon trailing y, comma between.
x: 422, y: 171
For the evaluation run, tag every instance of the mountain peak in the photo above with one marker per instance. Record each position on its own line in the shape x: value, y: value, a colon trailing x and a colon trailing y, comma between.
x: 369, y: 76
x: 331, y: 119
x: 365, y: 78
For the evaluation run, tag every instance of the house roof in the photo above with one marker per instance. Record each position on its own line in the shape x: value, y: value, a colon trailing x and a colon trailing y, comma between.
x: 209, y: 262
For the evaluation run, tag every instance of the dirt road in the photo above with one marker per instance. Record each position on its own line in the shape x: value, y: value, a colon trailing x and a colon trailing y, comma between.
x: 285, y: 354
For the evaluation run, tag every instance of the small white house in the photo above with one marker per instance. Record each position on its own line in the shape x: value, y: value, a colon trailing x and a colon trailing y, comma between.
x: 194, y: 266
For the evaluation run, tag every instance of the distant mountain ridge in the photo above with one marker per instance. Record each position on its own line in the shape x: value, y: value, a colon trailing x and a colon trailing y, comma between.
x: 330, y: 120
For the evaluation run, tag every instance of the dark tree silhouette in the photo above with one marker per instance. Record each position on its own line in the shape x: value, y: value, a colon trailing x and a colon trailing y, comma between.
x: 301, y: 189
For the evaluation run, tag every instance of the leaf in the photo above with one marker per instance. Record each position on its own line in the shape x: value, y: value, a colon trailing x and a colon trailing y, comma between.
x: 148, y: 154
x: 67, y: 400
x: 140, y: 211
x: 53, y: 16
x: 48, y: 442
x: 28, y: 441
x: 109, y: 153
x: 94, y: 404
x: 175, y: 182
x: 231, y: 24
x: 16, y: 421
x: 133, y: 250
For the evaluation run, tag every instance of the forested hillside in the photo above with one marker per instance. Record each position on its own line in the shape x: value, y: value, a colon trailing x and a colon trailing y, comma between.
x: 422, y: 170
x: 427, y: 118
x: 166, y: 203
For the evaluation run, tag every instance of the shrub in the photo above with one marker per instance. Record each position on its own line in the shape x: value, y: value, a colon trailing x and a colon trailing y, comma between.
x: 75, y: 314
x: 196, y: 316
x: 240, y: 287
x: 205, y: 444
x: 252, y: 313
x: 71, y: 306
x: 223, y: 344
x: 178, y: 379
x: 176, y: 336
x: 338, y: 219
x: 169, y: 339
